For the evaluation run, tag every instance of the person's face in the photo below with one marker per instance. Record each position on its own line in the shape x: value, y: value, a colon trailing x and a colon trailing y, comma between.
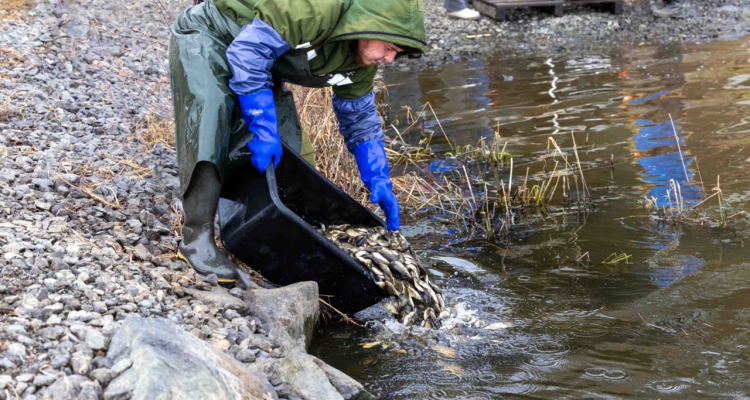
x: 371, y: 51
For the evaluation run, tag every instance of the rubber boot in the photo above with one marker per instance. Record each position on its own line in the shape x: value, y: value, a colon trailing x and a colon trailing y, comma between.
x: 198, y: 247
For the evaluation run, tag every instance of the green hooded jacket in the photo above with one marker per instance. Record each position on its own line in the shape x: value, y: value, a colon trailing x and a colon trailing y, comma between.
x: 325, y: 29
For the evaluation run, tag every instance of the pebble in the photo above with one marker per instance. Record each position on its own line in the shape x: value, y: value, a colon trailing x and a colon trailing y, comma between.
x: 81, y: 363
x: 44, y: 380
x: 122, y: 365
x: 101, y: 362
x: 60, y: 361
x: 102, y: 375
x: 245, y: 356
x: 221, y: 344
x: 5, y: 380
x: 16, y: 349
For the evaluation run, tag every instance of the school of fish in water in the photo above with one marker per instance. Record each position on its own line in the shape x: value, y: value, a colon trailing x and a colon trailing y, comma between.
x: 414, y: 298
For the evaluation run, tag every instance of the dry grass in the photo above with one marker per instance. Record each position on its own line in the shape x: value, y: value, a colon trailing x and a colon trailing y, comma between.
x: 13, y: 103
x: 156, y: 130
x: 11, y: 6
x: 7, y: 111
x: 9, y: 59
x: 334, y: 161
x: 332, y: 158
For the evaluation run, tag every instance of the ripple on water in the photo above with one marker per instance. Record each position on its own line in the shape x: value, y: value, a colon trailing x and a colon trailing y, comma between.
x: 550, y: 348
x: 457, y: 393
x: 589, y: 328
x: 668, y: 386
x: 544, y: 361
x: 605, y: 374
x: 486, y: 377
x: 524, y: 382
x: 546, y: 355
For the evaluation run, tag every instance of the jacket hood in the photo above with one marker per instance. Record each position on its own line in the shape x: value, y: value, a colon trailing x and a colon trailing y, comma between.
x: 400, y: 22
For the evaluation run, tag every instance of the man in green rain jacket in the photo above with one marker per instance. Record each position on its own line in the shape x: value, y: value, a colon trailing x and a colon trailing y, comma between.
x: 228, y: 61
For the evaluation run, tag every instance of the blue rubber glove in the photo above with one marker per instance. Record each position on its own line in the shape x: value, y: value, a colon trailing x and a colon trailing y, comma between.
x: 373, y: 167
x: 259, y: 112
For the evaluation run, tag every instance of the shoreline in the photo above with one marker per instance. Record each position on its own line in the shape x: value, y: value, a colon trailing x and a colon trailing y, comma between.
x: 580, y: 30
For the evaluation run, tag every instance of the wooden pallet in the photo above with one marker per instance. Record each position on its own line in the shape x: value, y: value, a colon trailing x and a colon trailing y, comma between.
x: 499, y: 9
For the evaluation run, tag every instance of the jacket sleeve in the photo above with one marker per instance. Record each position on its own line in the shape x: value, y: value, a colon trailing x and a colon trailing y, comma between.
x: 359, y: 121
x: 251, y: 56
x: 279, y: 25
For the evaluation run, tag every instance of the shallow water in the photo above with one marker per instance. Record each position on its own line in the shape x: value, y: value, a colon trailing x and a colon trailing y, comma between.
x: 530, y: 322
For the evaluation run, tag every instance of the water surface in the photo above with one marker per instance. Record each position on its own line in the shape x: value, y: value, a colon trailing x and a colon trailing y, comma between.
x: 673, y: 322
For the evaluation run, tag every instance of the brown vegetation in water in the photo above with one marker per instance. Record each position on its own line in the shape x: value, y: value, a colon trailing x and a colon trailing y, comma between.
x: 460, y: 198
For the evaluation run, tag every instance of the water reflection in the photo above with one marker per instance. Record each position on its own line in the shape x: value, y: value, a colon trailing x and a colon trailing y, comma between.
x: 527, y: 322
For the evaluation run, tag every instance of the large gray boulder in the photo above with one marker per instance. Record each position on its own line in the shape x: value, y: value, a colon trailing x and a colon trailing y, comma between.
x: 290, y: 315
x: 294, y: 307
x: 169, y: 363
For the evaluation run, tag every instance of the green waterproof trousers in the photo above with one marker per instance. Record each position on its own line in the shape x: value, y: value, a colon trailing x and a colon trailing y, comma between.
x: 208, y: 123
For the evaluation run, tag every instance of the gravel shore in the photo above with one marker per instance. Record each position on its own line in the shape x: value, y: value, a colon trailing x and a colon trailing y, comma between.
x: 88, y: 214
x: 89, y: 227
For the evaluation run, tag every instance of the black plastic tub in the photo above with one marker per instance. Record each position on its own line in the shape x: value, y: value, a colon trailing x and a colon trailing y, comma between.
x: 269, y: 222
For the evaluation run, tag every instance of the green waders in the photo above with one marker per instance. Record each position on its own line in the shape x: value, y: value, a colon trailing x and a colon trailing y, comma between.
x: 208, y: 124
x: 209, y: 128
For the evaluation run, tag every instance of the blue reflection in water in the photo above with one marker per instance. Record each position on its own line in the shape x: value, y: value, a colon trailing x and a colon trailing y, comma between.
x: 642, y: 100
x: 442, y: 165
x: 661, y: 162
x: 684, y: 266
